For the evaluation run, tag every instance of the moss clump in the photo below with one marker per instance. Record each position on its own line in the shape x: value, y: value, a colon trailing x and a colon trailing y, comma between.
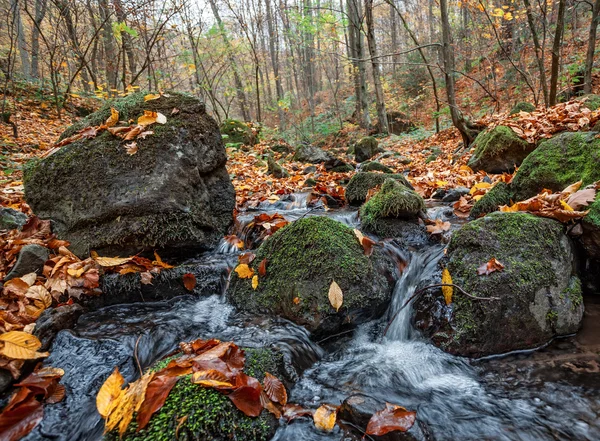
x: 236, y: 131
x: 303, y: 259
x: 361, y: 183
x: 275, y: 169
x: 498, y: 150
x: 394, y: 200
x: 375, y: 166
x: 593, y: 216
x: 365, y: 148
x: 499, y: 195
x: 345, y: 168
x: 210, y: 414
x: 574, y: 292
x: 522, y: 107
x: 592, y: 102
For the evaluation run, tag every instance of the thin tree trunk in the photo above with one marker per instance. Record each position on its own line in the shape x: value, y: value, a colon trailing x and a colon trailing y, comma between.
x: 127, y: 43
x: 110, y: 51
x: 40, y: 12
x: 539, y: 52
x: 22, y: 42
x: 381, y: 113
x: 591, y: 49
x: 558, y: 35
x: 274, y: 52
x: 359, y: 72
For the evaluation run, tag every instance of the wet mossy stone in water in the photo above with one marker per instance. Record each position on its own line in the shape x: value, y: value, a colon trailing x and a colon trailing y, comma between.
x: 237, y: 132
x: 174, y: 195
x: 395, y: 201
x: 498, y: 195
x: 303, y: 259
x: 539, y: 293
x: 522, y: 107
x: 210, y: 414
x: 499, y: 150
x: 365, y: 148
x: 376, y: 166
x: 362, y: 182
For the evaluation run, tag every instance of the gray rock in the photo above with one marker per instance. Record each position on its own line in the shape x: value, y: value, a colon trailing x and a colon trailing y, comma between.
x: 454, y: 194
x: 309, y: 169
x: 311, y: 154
x: 54, y: 320
x: 173, y: 195
x: 276, y: 170
x: 11, y: 219
x: 365, y: 148
x: 6, y: 380
x: 499, y: 150
x: 31, y: 259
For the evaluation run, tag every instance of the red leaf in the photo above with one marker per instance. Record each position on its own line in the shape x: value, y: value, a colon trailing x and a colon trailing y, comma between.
x: 156, y: 395
x: 262, y: 268
x: 246, y: 258
x: 275, y: 389
x: 20, y: 420
x: 189, y: 281
x: 367, y: 245
x: 247, y: 397
x: 389, y: 419
x: 293, y: 411
x: 489, y: 267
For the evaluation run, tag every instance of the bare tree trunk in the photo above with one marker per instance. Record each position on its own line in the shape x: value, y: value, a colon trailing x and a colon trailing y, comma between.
x: 558, y: 35
x: 381, y: 113
x: 539, y: 52
x: 274, y: 52
x: 589, y: 59
x: 40, y: 12
x: 357, y: 55
x: 21, y: 42
x: 110, y: 51
x: 394, y: 39
x: 127, y: 42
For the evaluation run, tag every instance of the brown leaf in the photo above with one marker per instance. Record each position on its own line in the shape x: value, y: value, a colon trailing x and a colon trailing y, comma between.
x: 390, y: 419
x: 145, y: 278
x: 131, y: 148
x: 189, y: 281
x: 582, y: 198
x: 438, y: 227
x: 275, y: 389
x: 262, y: 268
x: 336, y: 297
x: 156, y: 394
x: 491, y: 266
x: 247, y: 397
x: 20, y: 420
x: 246, y: 258
x: 293, y: 411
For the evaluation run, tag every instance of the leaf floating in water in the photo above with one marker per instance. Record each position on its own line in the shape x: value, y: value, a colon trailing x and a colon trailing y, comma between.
x: 390, y: 419
x: 336, y: 297
x: 447, y: 291
x: 325, y: 417
x: 489, y: 267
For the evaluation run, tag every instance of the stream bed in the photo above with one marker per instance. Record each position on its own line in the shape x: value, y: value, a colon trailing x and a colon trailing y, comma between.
x: 550, y: 394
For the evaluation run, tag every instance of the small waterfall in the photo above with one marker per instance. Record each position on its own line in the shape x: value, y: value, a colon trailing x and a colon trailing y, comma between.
x: 422, y: 265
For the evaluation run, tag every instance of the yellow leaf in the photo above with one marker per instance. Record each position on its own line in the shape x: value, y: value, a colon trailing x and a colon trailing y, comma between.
x: 152, y: 96
x: 19, y: 345
x: 244, y: 271
x: 255, y: 282
x: 565, y: 206
x: 336, y: 297
x: 39, y: 292
x: 447, y: 290
x: 113, y: 119
x: 109, y: 261
x: 441, y: 183
x: 129, y: 402
x: 159, y: 262
x: 359, y: 235
x: 109, y: 393
x: 479, y: 186
x: 324, y: 417
x: 150, y: 117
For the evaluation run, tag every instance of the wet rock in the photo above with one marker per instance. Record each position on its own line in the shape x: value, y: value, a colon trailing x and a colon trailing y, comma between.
x: 54, y: 320
x: 303, y: 259
x: 275, y: 169
x: 309, y: 169
x: 310, y: 182
x: 173, y: 195
x: 31, y: 260
x: 237, y: 132
x: 454, y: 194
x: 128, y: 288
x: 311, y: 154
x: 11, y: 219
x: 522, y: 107
x: 499, y: 195
x: 375, y: 166
x: 407, y: 233
x: 6, y: 380
x: 499, y: 150
x: 361, y: 183
x: 358, y: 409
x: 539, y: 293
x: 365, y: 148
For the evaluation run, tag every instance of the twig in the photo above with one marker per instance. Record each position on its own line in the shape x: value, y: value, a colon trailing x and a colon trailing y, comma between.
x: 135, y: 355
x: 437, y: 285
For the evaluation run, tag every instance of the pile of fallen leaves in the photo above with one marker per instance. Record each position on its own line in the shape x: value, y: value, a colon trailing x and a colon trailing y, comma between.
x: 565, y: 206
x: 542, y: 123
x: 25, y: 409
x: 219, y: 366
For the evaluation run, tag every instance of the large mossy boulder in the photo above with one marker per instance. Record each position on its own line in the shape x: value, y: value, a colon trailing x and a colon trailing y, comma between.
x: 375, y: 166
x: 173, y: 195
x: 361, y: 183
x: 365, y: 148
x: 194, y: 413
x: 394, y: 201
x: 522, y: 107
x: 303, y: 259
x: 499, y: 150
x: 539, y: 293
x: 237, y: 132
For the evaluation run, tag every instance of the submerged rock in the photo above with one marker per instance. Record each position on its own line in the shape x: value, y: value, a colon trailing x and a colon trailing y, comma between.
x: 539, y: 293
x: 361, y: 183
x: 302, y: 260
x: 499, y: 150
x: 237, y: 132
x: 174, y: 194
x: 365, y: 148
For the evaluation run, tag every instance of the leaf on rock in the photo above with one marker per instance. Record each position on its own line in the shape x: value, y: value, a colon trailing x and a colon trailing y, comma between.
x: 325, y: 417
x: 254, y: 282
x: 275, y: 389
x: 19, y: 345
x: 390, y: 419
x: 244, y: 271
x: 158, y: 261
x: 156, y: 394
x: 293, y: 411
x: 109, y: 393
x: 247, y: 397
x: 149, y: 117
x: 336, y: 297
x: 212, y: 378
x: 152, y: 96
x: 582, y: 198
x: 189, y: 281
x: 18, y: 421
x: 146, y: 278
x: 131, y: 148
x: 489, y: 267
x: 262, y: 268
x: 438, y: 227
x: 447, y: 291
x: 109, y: 261
x: 113, y: 119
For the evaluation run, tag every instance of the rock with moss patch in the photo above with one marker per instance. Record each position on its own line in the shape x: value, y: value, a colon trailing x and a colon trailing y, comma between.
x: 539, y: 293
x: 303, y: 259
x: 365, y: 148
x: 235, y: 131
x: 342, y: 168
x: 173, y: 195
x: 375, y: 166
x: 499, y: 150
x: 361, y: 183
x: 592, y: 101
x: 522, y: 107
x: 498, y: 195
x: 275, y: 169
x: 394, y: 201
x: 11, y: 219
x: 209, y: 415
x: 311, y: 154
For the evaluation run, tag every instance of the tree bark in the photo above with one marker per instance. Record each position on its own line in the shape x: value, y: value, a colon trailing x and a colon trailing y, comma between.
x: 274, y: 52
x: 558, y: 35
x: 591, y: 49
x: 381, y: 113
x: 359, y: 71
x: 539, y: 51
x: 110, y: 52
x: 40, y: 13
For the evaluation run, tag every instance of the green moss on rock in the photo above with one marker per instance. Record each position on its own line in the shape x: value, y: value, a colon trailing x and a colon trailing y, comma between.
x: 365, y: 148
x: 522, y: 107
x: 237, y: 132
x: 210, y: 414
x: 375, y: 166
x: 361, y: 183
x: 499, y: 195
x: 592, y: 102
x: 499, y: 150
x: 394, y: 200
x: 345, y: 168
x: 303, y: 259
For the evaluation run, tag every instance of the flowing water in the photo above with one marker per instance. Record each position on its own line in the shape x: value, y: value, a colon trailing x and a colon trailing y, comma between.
x: 456, y: 399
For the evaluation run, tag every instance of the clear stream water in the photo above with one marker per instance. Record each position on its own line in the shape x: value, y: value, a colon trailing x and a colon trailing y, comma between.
x: 457, y: 399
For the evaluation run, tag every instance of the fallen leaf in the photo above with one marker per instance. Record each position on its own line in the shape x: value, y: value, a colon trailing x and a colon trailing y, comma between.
x: 438, y: 227
x: 275, y: 389
x: 131, y: 148
x: 336, y: 297
x: 149, y: 117
x: 254, y: 282
x: 582, y: 198
x: 146, y: 278
x: 262, y: 268
x: 109, y: 261
x: 390, y: 419
x: 489, y: 267
x: 158, y: 261
x: 447, y: 291
x: 113, y: 119
x: 189, y: 281
x: 325, y: 417
x: 109, y: 393
x: 19, y: 345
x: 244, y: 271
x: 151, y: 96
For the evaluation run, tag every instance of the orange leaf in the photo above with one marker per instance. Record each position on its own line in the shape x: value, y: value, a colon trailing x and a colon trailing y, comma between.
x: 189, y: 281
x: 262, y: 268
x: 491, y: 266
x: 390, y: 419
x: 156, y: 394
x: 325, y: 417
x: 275, y: 389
